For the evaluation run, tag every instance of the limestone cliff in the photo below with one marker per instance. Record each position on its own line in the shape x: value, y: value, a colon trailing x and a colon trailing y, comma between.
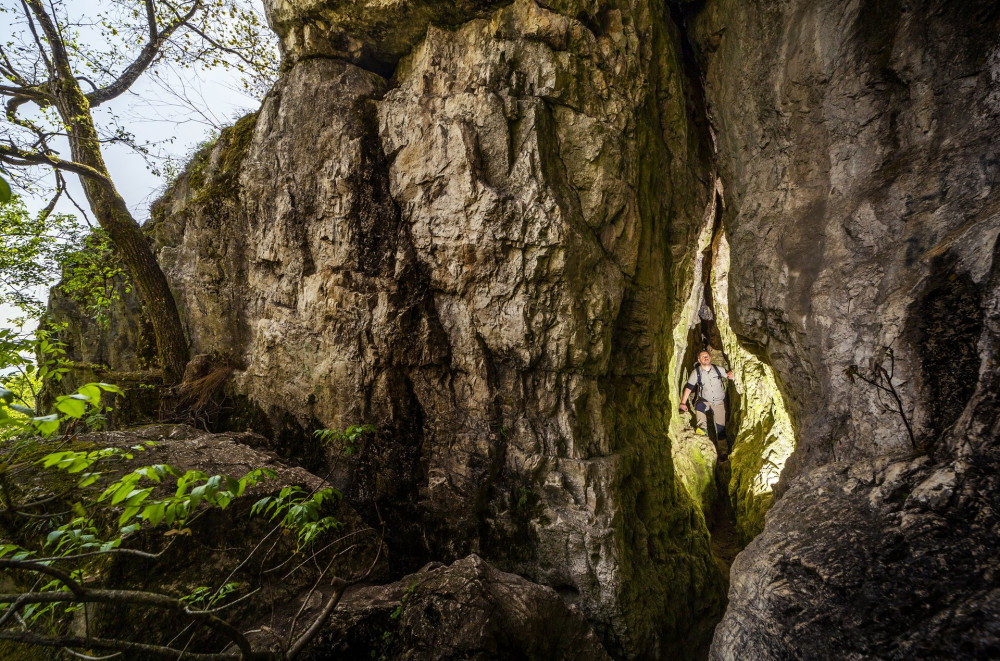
x: 483, y: 256
x: 488, y: 228
x: 858, y: 143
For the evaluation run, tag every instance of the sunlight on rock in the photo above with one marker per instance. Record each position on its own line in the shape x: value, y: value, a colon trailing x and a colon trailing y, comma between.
x: 694, y: 457
x: 764, y: 437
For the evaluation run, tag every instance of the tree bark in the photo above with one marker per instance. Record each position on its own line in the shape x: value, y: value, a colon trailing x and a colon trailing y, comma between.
x: 125, y: 233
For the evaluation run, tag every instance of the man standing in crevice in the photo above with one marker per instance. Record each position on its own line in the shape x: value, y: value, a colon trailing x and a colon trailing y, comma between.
x: 708, y: 383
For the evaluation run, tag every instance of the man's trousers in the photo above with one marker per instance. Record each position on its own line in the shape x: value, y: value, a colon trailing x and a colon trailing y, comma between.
x: 718, y: 410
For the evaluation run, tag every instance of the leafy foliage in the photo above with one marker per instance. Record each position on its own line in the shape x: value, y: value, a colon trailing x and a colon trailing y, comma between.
x: 93, y: 276
x: 36, y: 250
x: 4, y: 190
x: 348, y: 440
x: 66, y: 507
x: 33, y: 250
x: 300, y: 512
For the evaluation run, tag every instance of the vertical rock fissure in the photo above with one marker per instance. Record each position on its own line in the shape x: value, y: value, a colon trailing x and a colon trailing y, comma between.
x: 735, y: 493
x: 721, y: 518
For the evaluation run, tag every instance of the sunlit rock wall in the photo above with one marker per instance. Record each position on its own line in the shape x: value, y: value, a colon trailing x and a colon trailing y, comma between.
x: 762, y: 436
x: 858, y: 147
x: 483, y: 256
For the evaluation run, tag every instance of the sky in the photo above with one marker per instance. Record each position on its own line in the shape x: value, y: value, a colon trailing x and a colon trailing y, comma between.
x: 152, y: 114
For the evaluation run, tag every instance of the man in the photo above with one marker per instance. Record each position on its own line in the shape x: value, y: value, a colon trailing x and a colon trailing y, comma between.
x: 710, y: 386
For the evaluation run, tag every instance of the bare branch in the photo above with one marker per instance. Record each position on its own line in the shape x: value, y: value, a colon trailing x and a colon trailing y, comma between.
x: 34, y: 33
x: 224, y: 49
x: 130, y: 597
x: 26, y: 92
x: 43, y: 568
x: 146, y: 57
x: 82, y: 211
x: 21, y: 157
x: 339, y: 586
x: 8, y: 69
x: 119, y: 551
x: 87, y: 657
x: 52, y: 204
x: 116, y: 646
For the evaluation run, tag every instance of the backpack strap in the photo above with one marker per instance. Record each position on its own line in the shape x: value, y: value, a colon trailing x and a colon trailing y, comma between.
x: 717, y: 371
x: 697, y: 370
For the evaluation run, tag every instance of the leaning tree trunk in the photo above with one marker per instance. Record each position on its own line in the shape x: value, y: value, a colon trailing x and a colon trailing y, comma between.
x: 114, y: 217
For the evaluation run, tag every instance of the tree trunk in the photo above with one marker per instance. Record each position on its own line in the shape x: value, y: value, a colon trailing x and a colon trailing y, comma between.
x: 126, y: 235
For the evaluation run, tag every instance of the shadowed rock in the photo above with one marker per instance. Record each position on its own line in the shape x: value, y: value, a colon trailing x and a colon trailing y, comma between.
x: 467, y: 610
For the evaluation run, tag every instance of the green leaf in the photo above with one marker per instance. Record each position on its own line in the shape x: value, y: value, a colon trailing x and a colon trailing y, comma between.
x: 154, y: 513
x: 123, y: 491
x: 22, y: 409
x: 53, y: 459
x: 6, y: 395
x: 87, y: 479
x: 136, y: 496
x: 47, y: 424
x: 128, y: 514
x: 4, y: 191
x: 71, y: 406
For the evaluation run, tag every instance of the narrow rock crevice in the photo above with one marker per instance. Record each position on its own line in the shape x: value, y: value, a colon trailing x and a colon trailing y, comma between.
x: 734, y: 494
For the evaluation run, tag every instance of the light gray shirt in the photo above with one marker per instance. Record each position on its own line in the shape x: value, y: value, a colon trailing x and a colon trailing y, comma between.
x: 712, y: 387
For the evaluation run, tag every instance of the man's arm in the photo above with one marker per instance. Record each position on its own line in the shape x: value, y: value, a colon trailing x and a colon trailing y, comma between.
x: 688, y: 389
x: 684, y: 397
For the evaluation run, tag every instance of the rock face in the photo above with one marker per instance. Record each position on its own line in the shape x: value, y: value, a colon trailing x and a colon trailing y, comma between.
x: 483, y: 257
x: 878, y: 560
x: 371, y: 33
x: 467, y: 610
x: 858, y: 147
x: 478, y: 227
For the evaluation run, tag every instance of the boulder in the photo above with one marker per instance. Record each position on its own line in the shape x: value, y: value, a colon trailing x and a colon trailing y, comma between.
x: 466, y: 610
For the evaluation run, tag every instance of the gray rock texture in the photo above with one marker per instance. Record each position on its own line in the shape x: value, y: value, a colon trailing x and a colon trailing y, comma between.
x: 858, y: 144
x: 858, y: 147
x: 477, y: 227
x: 466, y: 610
x: 371, y: 33
x: 484, y: 258
x: 876, y: 560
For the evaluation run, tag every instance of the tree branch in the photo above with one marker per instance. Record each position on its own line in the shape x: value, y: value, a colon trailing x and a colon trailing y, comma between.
x: 113, y: 645
x: 48, y: 570
x: 34, y: 33
x: 146, y: 57
x: 21, y: 157
x: 59, y: 67
x: 129, y: 597
x: 224, y: 49
x: 339, y: 586
x: 8, y: 69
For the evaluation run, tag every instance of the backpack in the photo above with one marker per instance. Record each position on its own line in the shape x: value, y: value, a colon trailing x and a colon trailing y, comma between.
x: 697, y: 392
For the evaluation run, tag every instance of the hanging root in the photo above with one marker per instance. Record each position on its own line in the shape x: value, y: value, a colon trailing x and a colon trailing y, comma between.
x: 201, y: 394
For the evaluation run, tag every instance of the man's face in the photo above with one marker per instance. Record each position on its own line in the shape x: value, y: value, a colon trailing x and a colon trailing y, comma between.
x: 705, y: 359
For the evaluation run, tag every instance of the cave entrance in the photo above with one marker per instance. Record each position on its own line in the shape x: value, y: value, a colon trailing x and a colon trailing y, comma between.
x: 733, y: 495
x: 704, y: 335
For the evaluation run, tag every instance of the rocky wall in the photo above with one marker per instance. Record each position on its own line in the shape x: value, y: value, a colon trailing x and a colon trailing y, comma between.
x: 483, y: 255
x: 858, y: 149
x: 857, y: 146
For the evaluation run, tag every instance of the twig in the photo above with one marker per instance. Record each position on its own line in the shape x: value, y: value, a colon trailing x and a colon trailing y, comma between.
x: 882, y: 382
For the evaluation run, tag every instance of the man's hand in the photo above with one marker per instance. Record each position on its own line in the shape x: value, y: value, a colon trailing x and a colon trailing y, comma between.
x: 729, y: 375
x: 684, y: 407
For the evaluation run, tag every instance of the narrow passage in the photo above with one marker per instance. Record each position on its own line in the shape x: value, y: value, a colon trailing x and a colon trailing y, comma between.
x: 705, y: 336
